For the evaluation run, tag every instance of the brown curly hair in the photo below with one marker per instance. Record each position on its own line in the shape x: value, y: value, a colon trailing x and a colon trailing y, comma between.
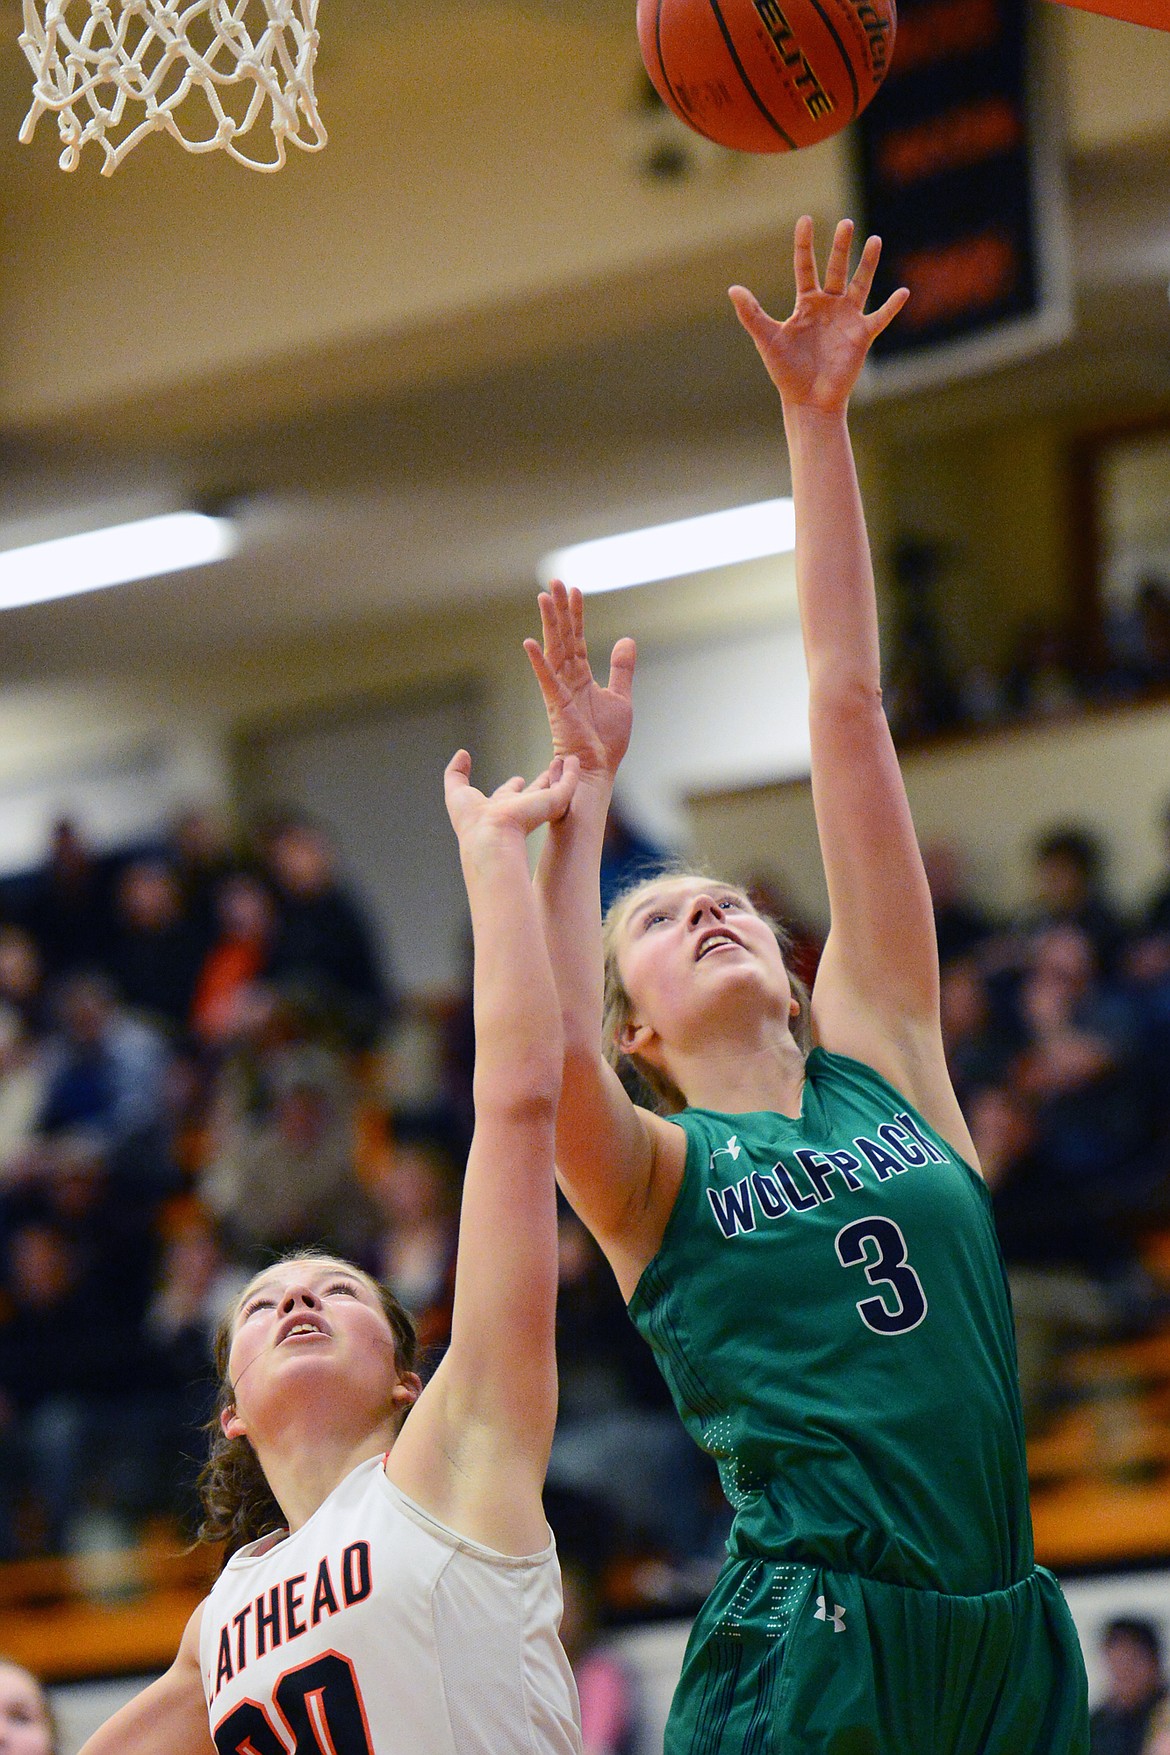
x: 238, y: 1504
x: 662, y: 1094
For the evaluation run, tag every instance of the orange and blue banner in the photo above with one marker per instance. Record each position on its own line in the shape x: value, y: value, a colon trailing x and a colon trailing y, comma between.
x: 1155, y: 13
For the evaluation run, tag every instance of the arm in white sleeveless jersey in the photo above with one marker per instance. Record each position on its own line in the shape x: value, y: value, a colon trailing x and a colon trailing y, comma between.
x: 876, y: 993
x: 169, y: 1717
x: 475, y: 1448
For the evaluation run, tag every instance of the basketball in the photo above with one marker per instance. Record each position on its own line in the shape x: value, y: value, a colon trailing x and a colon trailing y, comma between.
x: 766, y: 76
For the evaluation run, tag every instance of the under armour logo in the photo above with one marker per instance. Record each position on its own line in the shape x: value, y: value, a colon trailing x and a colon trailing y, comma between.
x: 837, y: 1617
x: 731, y: 1150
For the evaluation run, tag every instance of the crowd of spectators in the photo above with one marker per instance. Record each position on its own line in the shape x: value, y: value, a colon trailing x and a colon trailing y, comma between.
x: 197, y: 1070
x: 203, y: 1062
x: 1052, y: 669
x: 183, y: 1033
x: 1057, y: 1028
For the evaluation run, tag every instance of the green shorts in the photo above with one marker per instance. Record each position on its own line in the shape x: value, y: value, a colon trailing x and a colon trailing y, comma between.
x: 795, y: 1660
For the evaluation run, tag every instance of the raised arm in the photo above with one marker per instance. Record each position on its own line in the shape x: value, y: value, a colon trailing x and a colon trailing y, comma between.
x: 169, y: 1717
x: 876, y: 994
x: 619, y: 1164
x: 475, y: 1448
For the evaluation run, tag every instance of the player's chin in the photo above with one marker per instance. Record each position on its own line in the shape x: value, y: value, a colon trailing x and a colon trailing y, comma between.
x: 315, y: 1355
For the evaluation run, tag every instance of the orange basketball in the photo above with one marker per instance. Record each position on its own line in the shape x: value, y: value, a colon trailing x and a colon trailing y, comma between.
x: 767, y: 75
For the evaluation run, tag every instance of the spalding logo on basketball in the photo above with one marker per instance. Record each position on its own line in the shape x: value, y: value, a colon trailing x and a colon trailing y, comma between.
x: 767, y: 75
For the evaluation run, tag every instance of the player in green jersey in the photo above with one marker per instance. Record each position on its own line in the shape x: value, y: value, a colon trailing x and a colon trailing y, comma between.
x: 801, y: 1233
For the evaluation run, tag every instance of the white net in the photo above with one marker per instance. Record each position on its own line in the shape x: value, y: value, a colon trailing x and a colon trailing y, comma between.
x: 206, y: 71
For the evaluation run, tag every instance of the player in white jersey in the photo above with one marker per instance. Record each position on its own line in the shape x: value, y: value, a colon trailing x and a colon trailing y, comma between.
x: 405, y: 1597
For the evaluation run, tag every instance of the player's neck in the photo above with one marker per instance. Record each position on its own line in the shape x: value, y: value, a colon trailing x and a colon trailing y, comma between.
x: 737, y: 1076
x: 304, y: 1469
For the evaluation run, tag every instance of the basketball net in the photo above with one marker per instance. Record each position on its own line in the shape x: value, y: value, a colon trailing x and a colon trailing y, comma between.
x: 114, y: 71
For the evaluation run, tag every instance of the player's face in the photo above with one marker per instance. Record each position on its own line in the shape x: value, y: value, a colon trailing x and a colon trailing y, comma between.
x: 305, y: 1324
x: 687, y: 944
x: 24, y: 1723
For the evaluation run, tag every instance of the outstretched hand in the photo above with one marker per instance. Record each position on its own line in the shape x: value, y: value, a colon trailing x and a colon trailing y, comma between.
x: 815, y: 357
x: 513, y: 807
x: 587, y: 721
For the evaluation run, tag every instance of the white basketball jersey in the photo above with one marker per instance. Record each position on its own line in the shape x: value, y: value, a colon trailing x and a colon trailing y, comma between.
x: 374, y: 1630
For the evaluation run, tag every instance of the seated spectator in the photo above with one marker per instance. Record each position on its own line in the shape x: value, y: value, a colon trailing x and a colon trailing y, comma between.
x: 155, y: 951
x: 198, y: 1284
x: 960, y: 924
x: 1147, y: 966
x: 22, y: 979
x: 1058, y: 1252
x: 415, y: 1193
x: 606, y: 1686
x: 68, y: 905
x: 1131, y: 1649
x: 1149, y: 956
x: 1078, y: 1061
x: 245, y: 923
x: 27, y: 1725
x: 200, y: 850
x: 105, y: 1080
x: 1139, y: 639
x: 324, y: 947
x: 22, y: 1093
x: 627, y: 856
x: 922, y: 695
x: 1043, y: 677
x: 618, y: 1440
x: 978, y: 1045
x: 1152, y: 609
x: 281, y: 1167
x: 1044, y: 1220
x: 1068, y: 867
x: 63, y: 1359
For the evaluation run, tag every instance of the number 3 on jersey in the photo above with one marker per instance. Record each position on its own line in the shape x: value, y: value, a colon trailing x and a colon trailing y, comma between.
x: 319, y: 1702
x: 879, y: 1247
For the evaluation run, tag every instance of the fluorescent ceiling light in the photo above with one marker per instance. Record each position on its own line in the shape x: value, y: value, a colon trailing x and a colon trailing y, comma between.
x: 669, y: 551
x: 117, y: 555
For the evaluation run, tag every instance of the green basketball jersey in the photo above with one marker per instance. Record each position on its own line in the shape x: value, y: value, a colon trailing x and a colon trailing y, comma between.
x: 829, y: 1308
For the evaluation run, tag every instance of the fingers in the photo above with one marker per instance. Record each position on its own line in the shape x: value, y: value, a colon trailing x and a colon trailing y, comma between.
x: 457, y: 787
x: 571, y: 613
x: 621, y: 668
x: 562, y: 622
x: 457, y: 773
x: 752, y: 315
x: 549, y: 798
x: 804, y: 261
x: 837, y: 267
x: 576, y: 610
x: 550, y: 684
x: 862, y: 280
x: 885, y: 314
x: 543, y: 800
x: 550, y: 625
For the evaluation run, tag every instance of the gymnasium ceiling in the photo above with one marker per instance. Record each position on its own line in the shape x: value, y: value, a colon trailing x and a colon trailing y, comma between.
x: 472, y: 328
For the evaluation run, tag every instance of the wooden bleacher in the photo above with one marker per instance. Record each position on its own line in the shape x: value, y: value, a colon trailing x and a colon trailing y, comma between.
x: 102, y: 1614
x: 1100, y: 1472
